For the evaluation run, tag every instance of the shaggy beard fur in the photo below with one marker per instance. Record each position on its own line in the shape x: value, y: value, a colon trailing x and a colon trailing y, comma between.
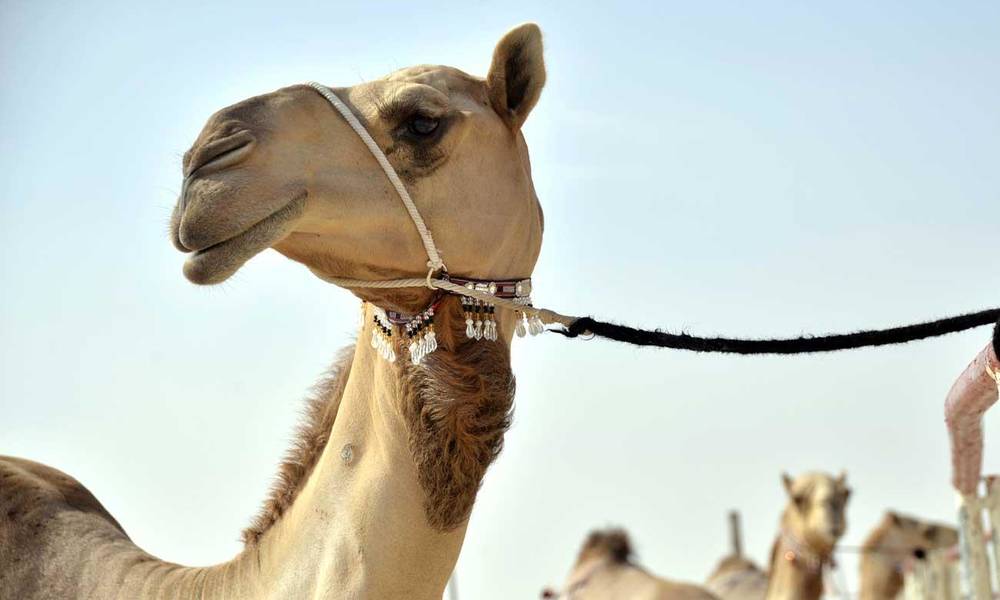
x: 457, y: 404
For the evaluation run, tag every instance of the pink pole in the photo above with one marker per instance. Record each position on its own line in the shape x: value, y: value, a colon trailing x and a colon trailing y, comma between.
x: 971, y: 395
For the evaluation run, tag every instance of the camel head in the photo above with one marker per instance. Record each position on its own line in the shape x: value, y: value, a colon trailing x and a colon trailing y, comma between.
x: 602, y: 547
x: 816, y: 507
x: 285, y: 171
x: 611, y: 544
x: 913, y: 538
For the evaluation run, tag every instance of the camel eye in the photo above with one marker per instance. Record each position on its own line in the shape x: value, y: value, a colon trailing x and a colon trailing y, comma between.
x: 422, y: 126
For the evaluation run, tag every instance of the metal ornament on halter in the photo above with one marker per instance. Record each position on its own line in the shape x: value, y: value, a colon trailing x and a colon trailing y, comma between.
x: 995, y: 375
x: 479, y: 298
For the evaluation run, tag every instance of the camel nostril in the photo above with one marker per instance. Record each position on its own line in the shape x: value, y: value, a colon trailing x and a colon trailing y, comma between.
x: 218, y: 154
x: 920, y: 554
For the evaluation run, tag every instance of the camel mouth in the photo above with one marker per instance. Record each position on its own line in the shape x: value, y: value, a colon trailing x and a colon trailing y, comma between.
x: 221, y: 154
x: 220, y: 261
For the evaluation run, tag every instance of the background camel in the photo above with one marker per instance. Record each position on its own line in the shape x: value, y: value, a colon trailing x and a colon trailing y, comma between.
x: 373, y: 499
x: 811, y: 524
x: 892, y: 547
x: 605, y: 569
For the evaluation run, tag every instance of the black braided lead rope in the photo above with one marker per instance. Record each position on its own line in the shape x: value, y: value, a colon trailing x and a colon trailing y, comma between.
x: 800, y: 345
x: 996, y: 339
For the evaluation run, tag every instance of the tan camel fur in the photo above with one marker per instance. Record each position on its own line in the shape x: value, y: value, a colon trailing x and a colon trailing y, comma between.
x: 605, y: 569
x: 892, y: 547
x: 811, y: 524
x: 374, y: 499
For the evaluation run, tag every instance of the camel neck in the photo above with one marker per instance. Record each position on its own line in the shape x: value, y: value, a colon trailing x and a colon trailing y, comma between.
x: 880, y: 569
x: 383, y: 513
x: 794, y: 576
x: 881, y: 578
x: 358, y: 524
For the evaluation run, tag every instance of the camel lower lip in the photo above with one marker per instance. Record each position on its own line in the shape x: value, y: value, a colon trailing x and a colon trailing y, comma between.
x: 219, y: 261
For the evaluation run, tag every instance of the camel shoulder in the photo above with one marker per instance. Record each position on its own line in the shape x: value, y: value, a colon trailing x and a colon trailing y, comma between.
x: 734, y: 564
x: 35, y: 502
x: 737, y: 577
x: 48, y: 521
x: 30, y: 488
x: 673, y: 590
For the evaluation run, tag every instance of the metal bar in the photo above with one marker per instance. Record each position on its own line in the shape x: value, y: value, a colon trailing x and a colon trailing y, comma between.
x: 915, y: 584
x: 992, y: 505
x: 975, y: 561
x: 973, y: 393
x: 736, y: 533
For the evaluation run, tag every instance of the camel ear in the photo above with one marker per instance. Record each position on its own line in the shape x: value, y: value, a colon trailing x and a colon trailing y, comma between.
x: 786, y: 479
x: 842, y: 478
x: 517, y: 74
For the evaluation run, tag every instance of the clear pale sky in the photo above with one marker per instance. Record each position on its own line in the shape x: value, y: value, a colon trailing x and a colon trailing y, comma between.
x: 748, y: 170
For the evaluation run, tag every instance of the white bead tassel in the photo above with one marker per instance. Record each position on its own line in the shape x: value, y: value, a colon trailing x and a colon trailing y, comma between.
x: 470, y: 325
x: 417, y: 352
x: 382, y: 336
x: 414, y: 358
x: 519, y: 324
x: 432, y: 343
x: 423, y: 339
x: 535, y: 325
x: 387, y: 352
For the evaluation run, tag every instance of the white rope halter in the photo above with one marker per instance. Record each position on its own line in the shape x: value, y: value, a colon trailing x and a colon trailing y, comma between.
x: 434, y: 262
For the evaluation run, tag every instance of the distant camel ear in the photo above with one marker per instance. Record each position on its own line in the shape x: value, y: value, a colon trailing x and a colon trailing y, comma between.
x: 517, y: 74
x: 786, y: 479
x: 842, y: 478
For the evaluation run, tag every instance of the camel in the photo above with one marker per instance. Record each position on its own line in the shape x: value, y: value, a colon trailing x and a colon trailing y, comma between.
x: 892, y: 547
x: 605, y: 569
x: 811, y: 525
x: 373, y: 499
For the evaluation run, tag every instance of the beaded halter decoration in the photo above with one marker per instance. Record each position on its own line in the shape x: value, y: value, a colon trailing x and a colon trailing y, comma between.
x: 480, y: 319
x: 480, y: 299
